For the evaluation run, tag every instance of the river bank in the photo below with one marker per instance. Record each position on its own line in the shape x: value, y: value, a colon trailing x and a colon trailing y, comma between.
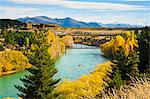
x: 9, y: 72
x: 13, y: 61
x: 72, y: 65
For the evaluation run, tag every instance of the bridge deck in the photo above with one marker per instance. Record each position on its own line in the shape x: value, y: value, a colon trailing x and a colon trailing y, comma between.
x: 84, y: 48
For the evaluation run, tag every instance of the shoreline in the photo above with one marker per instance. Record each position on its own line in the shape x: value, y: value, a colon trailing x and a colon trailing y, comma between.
x: 10, y: 72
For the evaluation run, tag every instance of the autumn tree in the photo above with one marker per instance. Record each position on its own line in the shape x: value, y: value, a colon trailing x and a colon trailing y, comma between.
x: 11, y: 60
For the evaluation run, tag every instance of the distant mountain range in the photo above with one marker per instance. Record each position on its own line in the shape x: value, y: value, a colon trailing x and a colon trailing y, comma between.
x: 69, y: 22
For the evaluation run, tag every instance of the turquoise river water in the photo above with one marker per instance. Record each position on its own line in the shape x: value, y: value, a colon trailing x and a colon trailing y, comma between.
x: 72, y: 65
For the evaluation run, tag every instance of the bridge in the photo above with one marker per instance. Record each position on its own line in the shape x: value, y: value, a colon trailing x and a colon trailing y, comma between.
x: 88, y: 33
x: 90, y: 38
x: 81, y: 46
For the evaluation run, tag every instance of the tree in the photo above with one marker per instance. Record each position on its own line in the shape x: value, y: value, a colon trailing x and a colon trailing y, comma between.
x: 132, y: 63
x: 116, y: 80
x: 27, y: 41
x: 144, y: 49
x: 123, y: 50
x: 118, y: 69
x: 40, y: 83
x: 126, y: 66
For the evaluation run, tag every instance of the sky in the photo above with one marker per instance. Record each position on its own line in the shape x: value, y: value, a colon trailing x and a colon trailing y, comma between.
x: 103, y: 11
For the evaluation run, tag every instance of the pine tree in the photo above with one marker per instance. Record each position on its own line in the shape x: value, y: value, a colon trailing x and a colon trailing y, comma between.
x: 132, y: 63
x: 144, y: 49
x: 118, y: 69
x: 117, y: 80
x: 40, y: 83
x: 124, y: 68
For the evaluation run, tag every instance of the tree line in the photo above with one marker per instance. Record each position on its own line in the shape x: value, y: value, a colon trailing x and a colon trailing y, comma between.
x: 8, y: 23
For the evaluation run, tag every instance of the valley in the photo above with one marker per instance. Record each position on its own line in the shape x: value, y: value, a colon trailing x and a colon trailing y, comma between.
x: 75, y: 60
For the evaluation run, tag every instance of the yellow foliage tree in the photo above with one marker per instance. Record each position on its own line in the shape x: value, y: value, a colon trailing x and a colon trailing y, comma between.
x: 57, y: 48
x: 128, y: 44
x: 118, y: 41
x: 58, y: 45
x: 107, y: 48
x: 68, y: 40
x: 13, y: 60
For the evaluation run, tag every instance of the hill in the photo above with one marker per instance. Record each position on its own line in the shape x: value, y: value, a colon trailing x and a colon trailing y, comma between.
x: 69, y: 22
x: 64, y: 22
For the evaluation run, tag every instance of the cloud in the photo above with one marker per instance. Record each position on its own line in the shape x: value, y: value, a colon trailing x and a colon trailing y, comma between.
x: 83, y: 5
x: 17, y: 10
x: 93, y: 11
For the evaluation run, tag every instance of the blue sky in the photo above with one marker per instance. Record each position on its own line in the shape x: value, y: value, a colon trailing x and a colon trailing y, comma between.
x: 104, y: 11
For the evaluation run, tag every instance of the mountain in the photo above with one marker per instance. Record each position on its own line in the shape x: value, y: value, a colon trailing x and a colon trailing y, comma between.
x: 39, y: 19
x: 64, y: 22
x: 120, y: 25
x: 69, y: 22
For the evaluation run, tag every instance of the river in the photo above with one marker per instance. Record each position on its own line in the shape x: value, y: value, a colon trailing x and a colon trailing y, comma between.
x: 72, y: 65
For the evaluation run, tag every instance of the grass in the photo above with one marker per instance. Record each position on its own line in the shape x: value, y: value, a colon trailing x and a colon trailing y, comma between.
x: 138, y: 89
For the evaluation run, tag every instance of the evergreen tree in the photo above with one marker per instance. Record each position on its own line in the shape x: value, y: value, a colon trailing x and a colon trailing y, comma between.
x: 144, y: 49
x: 40, y: 83
x: 117, y: 74
x: 132, y: 63
x: 124, y: 68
